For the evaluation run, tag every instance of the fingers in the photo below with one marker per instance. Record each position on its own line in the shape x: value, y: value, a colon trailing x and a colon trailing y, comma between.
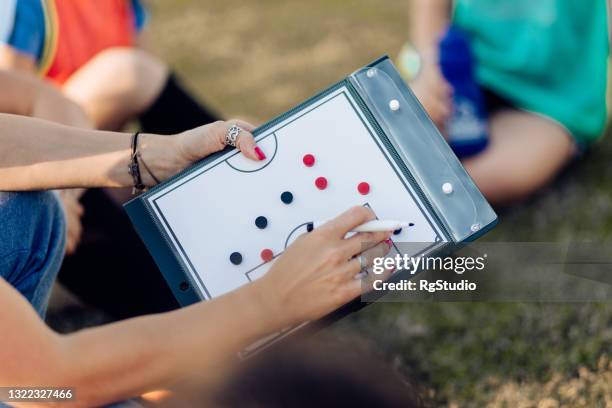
x: 366, y: 258
x: 366, y: 283
x: 345, y: 222
x: 363, y: 241
x: 246, y: 144
x: 249, y: 127
x: 195, y: 144
x: 73, y: 236
x: 79, y: 209
x: 359, y: 285
x: 245, y: 141
x: 435, y: 93
x: 74, y: 229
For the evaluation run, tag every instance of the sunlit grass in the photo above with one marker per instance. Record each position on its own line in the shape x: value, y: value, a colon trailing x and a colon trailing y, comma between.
x: 256, y: 59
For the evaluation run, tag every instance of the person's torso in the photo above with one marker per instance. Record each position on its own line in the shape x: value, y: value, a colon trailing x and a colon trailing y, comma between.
x: 63, y: 35
x: 83, y: 28
x: 548, y: 55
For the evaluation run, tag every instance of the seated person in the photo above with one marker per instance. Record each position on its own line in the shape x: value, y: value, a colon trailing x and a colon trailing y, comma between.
x: 108, y: 230
x: 543, y: 68
x: 89, y: 50
x: 314, y: 276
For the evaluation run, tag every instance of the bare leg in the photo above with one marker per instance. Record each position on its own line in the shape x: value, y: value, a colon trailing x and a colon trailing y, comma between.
x: 117, y: 85
x: 525, y: 152
x: 114, y: 87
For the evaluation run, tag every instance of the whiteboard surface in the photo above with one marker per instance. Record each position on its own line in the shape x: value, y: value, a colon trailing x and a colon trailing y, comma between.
x: 210, y: 213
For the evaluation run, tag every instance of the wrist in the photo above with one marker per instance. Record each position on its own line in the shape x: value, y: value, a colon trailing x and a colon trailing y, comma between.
x: 268, y: 305
x: 161, y: 157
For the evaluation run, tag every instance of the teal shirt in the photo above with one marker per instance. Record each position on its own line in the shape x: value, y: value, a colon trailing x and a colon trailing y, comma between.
x: 545, y: 56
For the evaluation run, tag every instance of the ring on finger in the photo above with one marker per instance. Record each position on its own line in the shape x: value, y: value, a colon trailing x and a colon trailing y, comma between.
x: 363, y: 262
x: 231, y: 137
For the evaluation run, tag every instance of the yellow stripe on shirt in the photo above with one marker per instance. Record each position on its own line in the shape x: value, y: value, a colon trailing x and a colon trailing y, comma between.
x: 51, y: 35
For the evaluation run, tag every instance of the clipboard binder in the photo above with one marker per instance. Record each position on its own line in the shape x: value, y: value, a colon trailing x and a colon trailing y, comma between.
x: 419, y: 150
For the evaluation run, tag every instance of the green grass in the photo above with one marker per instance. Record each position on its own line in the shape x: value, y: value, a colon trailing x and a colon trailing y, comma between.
x: 257, y: 59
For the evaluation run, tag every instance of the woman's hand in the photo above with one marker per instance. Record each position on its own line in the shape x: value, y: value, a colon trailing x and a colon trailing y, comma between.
x: 167, y: 155
x: 319, y: 272
x: 200, y: 142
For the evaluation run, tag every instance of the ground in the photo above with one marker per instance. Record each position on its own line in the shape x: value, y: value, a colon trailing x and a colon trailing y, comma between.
x: 255, y: 59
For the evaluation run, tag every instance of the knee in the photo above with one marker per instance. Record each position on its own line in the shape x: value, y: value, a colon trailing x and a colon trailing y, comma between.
x: 503, y: 185
x: 32, y: 239
x: 117, y: 84
x: 134, y: 70
x: 131, y: 77
x: 25, y: 214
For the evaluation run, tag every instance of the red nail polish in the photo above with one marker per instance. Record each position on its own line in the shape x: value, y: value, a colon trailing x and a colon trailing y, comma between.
x: 260, y: 153
x: 388, y: 242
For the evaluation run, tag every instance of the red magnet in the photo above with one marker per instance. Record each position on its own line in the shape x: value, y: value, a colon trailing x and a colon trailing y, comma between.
x: 363, y: 188
x: 309, y: 160
x: 267, y: 255
x: 321, y: 183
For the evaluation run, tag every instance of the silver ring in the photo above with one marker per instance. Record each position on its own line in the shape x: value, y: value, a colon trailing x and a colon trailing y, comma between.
x: 232, y: 135
x: 362, y: 262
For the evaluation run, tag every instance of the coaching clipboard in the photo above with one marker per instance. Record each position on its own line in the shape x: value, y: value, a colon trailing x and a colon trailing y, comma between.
x: 365, y: 140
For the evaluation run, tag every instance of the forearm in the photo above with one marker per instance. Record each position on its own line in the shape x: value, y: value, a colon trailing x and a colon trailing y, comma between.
x: 42, y: 155
x: 129, y: 358
x: 428, y: 19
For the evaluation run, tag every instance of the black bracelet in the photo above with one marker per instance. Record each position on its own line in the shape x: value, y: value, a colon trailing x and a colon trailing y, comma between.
x: 144, y: 164
x: 134, y: 168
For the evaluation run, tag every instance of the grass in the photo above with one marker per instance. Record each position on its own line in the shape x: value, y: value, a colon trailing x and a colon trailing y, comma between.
x: 257, y: 59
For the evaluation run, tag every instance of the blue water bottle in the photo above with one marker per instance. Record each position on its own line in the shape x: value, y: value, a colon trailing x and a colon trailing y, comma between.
x: 467, y: 128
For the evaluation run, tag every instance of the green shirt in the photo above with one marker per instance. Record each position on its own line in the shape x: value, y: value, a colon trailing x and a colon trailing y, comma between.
x: 545, y: 56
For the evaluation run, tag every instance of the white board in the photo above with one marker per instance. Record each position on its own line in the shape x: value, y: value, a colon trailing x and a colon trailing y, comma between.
x: 211, y: 213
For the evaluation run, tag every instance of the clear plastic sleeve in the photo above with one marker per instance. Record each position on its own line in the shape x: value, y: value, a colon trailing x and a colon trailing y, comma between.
x: 444, y: 182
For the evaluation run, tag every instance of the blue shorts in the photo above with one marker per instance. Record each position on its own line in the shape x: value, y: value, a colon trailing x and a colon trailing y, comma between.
x: 32, y: 240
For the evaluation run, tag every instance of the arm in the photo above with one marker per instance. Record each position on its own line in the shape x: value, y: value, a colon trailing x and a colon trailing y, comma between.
x: 428, y: 20
x: 26, y: 95
x: 42, y: 155
x: 117, y: 85
x: 125, y: 359
x: 313, y: 277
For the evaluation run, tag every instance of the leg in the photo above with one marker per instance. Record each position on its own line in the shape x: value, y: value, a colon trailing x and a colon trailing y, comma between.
x: 31, y: 244
x: 117, y: 85
x: 525, y: 152
x: 120, y: 84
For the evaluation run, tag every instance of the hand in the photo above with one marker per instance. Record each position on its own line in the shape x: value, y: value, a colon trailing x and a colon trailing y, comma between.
x: 200, y: 142
x: 433, y: 91
x: 74, y: 211
x: 317, y: 273
x: 167, y: 155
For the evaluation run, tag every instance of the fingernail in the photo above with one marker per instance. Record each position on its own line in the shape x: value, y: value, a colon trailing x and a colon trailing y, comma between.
x: 260, y: 153
x: 388, y: 242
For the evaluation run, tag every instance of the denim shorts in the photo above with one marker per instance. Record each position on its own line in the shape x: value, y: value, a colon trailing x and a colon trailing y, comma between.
x: 32, y: 239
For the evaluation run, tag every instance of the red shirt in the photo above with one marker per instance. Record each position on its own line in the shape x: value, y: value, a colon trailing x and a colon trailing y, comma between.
x: 77, y: 30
